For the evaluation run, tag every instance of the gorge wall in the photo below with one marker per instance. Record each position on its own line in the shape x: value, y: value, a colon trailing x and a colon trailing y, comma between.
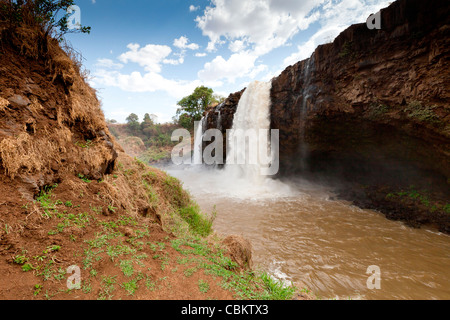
x: 371, y: 108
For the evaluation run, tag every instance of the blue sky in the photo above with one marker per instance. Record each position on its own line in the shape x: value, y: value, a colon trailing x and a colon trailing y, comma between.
x: 145, y: 55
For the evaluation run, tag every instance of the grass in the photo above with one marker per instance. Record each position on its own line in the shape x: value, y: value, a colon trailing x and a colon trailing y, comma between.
x: 153, y: 154
x: 45, y: 200
x: 107, y: 288
x: 203, y: 286
x: 246, y: 285
x: 420, y: 197
x: 84, y: 144
x: 124, y: 242
x: 197, y: 222
x: 84, y: 178
x: 347, y: 50
x: 378, y: 109
x: 417, y: 111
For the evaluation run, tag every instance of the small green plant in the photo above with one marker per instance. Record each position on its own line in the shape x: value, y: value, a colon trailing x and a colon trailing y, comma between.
x: 107, y: 288
x: 416, y: 110
x: 347, y: 50
x: 198, y: 223
x: 203, y: 286
x: 51, y: 249
x: 84, y: 178
x: 127, y: 267
x: 190, y: 271
x: 84, y: 144
x: 37, y: 289
x: 20, y: 259
x: 27, y: 267
x: 276, y: 289
x: 132, y: 285
x: 87, y: 287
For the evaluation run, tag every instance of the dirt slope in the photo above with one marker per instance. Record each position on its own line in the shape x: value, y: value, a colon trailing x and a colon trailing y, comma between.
x: 70, y: 196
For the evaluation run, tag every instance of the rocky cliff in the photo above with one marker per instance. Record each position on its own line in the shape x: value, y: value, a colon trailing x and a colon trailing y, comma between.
x: 370, y: 108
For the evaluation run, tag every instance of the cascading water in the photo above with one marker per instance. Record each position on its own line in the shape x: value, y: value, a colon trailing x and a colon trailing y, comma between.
x: 308, y: 91
x: 198, y: 143
x: 253, y: 113
x: 243, y: 181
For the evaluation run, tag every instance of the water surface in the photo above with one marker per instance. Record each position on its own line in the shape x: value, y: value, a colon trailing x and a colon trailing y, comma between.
x: 300, y: 235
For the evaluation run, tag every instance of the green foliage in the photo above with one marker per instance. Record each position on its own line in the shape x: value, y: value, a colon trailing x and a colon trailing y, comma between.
x: 378, y: 109
x: 198, y: 223
x: 84, y: 178
x: 154, y: 154
x: 203, y: 286
x: 184, y: 120
x: 51, y: 15
x: 247, y: 285
x: 347, y: 50
x: 27, y: 267
x: 193, y: 106
x: 422, y: 113
x: 85, y: 145
x: 275, y: 289
x: 133, y: 122
x: 420, y: 197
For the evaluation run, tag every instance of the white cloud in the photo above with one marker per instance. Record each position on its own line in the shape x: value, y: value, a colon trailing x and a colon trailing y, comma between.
x: 335, y: 18
x: 150, y: 57
x: 149, y: 82
x: 200, y: 54
x: 174, y: 62
x: 108, y: 64
x: 182, y: 43
x: 237, y: 45
x: 193, y: 8
x: 265, y: 24
x: 238, y: 65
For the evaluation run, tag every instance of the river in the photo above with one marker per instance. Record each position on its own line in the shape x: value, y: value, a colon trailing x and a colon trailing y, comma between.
x: 302, y: 236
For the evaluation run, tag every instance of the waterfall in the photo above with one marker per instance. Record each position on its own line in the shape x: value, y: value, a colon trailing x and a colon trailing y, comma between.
x: 252, y: 114
x: 308, y: 92
x: 198, y: 143
x: 247, y: 180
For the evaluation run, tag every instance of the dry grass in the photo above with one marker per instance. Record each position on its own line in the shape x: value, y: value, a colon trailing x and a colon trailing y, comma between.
x: 78, y: 113
x: 26, y: 154
x: 138, y: 188
x: 3, y: 104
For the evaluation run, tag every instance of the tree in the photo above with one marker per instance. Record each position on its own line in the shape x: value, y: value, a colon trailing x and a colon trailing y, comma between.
x: 193, y: 106
x: 148, y: 126
x: 52, y: 15
x: 133, y: 122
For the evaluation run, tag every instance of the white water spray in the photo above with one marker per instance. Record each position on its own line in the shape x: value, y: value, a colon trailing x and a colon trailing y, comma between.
x: 241, y: 181
x: 252, y: 115
x: 198, y: 144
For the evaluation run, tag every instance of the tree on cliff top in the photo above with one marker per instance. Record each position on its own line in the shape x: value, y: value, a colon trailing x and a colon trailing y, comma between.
x: 193, y: 106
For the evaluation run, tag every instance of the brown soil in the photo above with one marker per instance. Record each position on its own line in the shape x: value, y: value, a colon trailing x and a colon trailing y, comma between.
x: 71, y: 196
x: 25, y: 232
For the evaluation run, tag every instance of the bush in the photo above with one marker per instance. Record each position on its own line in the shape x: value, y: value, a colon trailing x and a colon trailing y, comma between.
x: 43, y: 13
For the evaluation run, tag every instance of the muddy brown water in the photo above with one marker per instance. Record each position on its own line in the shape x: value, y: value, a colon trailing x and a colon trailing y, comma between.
x: 303, y: 237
